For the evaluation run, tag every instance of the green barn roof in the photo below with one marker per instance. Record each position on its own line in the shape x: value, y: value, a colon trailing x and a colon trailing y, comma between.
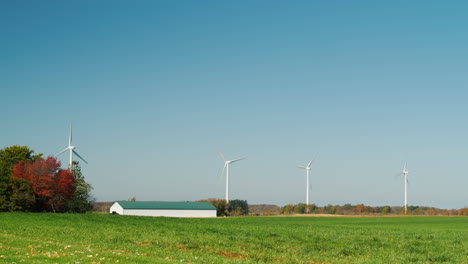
x: 167, y: 205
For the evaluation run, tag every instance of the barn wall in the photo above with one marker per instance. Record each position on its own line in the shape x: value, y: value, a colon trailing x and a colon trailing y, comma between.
x: 172, y: 213
x: 116, y: 208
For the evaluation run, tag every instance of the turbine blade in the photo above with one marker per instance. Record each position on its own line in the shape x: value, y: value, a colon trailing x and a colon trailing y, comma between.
x: 222, y: 172
x: 80, y: 157
x: 61, y: 152
x: 222, y: 156
x: 70, y: 138
x: 302, y: 167
x: 312, y: 161
x: 231, y: 161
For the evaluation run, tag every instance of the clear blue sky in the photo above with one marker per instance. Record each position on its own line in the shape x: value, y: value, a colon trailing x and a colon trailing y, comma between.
x: 155, y: 89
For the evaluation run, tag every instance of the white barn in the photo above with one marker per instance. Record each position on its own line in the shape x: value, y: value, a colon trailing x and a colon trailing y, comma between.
x: 169, y: 209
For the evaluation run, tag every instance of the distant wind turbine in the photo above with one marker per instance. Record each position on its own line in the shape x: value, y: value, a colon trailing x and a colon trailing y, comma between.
x: 405, y: 173
x: 307, y: 168
x: 71, y: 149
x: 226, y: 167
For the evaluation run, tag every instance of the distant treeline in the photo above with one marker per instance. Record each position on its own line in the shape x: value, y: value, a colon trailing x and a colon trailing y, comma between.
x: 348, y: 209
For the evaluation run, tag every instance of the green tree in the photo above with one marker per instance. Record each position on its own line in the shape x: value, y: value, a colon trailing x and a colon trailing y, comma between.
x: 386, y: 210
x: 288, y: 209
x: 22, y: 197
x: 239, y: 207
x: 330, y: 209
x: 81, y: 201
x: 9, y: 157
x: 416, y: 210
x: 360, y: 208
x: 311, y: 208
x: 300, y: 208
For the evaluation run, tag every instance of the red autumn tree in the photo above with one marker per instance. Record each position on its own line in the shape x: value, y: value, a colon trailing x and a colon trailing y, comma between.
x: 52, y: 186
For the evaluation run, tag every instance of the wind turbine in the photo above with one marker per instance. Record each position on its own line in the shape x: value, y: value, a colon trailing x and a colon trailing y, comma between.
x: 405, y: 173
x: 307, y: 168
x: 71, y: 149
x: 226, y: 167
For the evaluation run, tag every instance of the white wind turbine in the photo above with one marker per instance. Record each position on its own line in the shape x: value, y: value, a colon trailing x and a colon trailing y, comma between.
x: 226, y: 167
x: 405, y: 173
x: 307, y: 168
x: 71, y: 149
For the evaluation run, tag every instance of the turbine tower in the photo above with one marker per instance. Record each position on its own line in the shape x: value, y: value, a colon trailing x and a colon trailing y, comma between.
x: 307, y: 168
x: 226, y: 167
x: 71, y: 149
x: 405, y: 174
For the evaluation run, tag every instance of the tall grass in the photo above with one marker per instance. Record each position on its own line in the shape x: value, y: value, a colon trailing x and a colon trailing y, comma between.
x: 96, y: 238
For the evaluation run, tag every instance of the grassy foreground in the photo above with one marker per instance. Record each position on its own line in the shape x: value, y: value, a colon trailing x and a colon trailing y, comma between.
x: 95, y: 238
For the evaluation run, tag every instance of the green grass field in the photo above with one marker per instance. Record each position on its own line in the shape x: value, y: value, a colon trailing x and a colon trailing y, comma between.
x: 99, y: 238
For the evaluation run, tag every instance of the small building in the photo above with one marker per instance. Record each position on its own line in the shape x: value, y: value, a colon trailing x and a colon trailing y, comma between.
x: 168, y: 209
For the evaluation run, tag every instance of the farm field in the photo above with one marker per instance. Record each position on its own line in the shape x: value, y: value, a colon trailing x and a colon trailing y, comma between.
x: 102, y: 238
